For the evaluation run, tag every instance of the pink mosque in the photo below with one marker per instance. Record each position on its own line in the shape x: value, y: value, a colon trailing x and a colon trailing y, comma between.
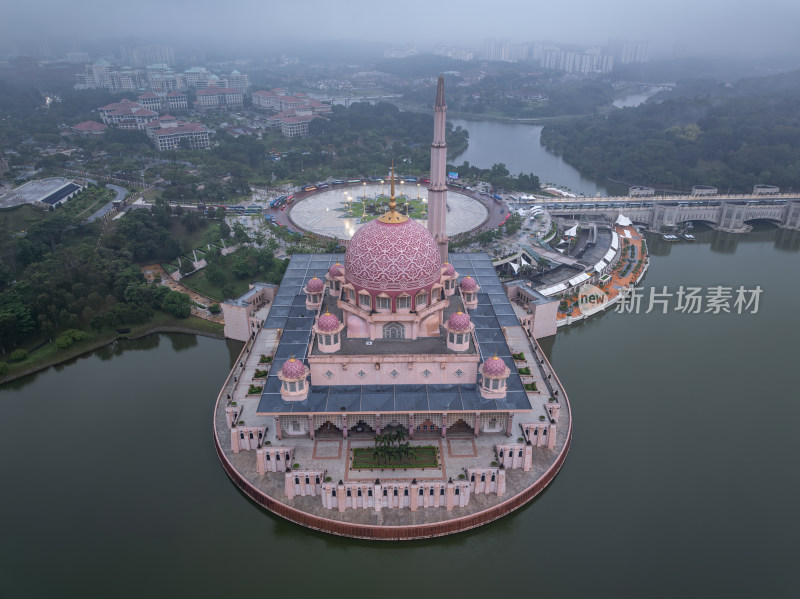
x: 395, y: 335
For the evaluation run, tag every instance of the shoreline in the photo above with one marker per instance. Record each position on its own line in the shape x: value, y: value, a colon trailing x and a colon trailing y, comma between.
x: 104, y: 341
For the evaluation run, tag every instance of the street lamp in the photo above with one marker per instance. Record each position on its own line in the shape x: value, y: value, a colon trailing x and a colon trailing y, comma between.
x: 365, y: 191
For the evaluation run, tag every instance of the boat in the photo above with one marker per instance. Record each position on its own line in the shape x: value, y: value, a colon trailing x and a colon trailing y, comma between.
x: 688, y: 237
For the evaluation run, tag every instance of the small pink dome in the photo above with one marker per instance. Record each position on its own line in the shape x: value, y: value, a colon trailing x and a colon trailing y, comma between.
x: 293, y: 369
x: 495, y: 367
x: 328, y: 322
x: 448, y: 271
x: 458, y: 322
x: 335, y: 270
x: 315, y: 285
x: 468, y: 284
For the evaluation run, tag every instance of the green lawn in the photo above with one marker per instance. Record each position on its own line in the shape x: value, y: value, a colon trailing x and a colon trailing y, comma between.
x: 426, y: 457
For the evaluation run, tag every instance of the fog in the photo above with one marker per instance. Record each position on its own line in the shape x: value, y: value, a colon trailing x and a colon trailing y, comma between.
x: 697, y: 27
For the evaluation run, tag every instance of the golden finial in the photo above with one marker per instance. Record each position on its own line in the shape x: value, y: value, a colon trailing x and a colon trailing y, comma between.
x: 393, y: 216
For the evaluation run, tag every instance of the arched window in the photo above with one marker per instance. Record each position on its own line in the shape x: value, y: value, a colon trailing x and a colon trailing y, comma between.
x: 405, y: 492
x: 431, y: 493
x: 404, y: 302
x: 297, y: 480
x: 483, y: 478
x: 369, y: 492
x: 394, y: 330
x: 365, y: 301
x: 316, y: 480
x: 268, y: 457
x: 359, y: 492
x: 422, y: 299
x: 349, y: 493
x: 308, y: 480
x: 472, y: 479
x: 519, y: 455
x: 383, y: 303
x: 492, y: 477
x: 241, y: 435
x: 251, y: 434
x: 421, y: 491
x: 395, y: 493
x: 333, y: 492
x: 441, y: 491
x: 457, y: 493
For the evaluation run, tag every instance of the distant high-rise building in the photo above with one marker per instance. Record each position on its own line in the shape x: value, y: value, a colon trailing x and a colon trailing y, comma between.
x: 78, y: 57
x: 405, y: 51
x: 628, y: 52
x: 495, y: 49
x: 145, y: 55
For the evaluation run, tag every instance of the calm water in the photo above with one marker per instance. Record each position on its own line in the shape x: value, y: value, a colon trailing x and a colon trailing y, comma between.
x: 520, y: 149
x: 632, y: 100
x: 682, y: 479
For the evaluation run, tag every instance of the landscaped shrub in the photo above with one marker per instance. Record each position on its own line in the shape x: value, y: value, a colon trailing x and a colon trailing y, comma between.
x: 259, y: 374
x: 524, y: 370
x: 254, y: 389
x: 265, y: 359
x: 214, y: 309
x: 530, y: 386
x: 63, y: 341
x: 18, y: 355
x: 519, y: 356
x: 70, y: 336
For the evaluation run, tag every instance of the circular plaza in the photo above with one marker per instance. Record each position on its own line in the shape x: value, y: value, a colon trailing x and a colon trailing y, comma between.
x: 341, y: 210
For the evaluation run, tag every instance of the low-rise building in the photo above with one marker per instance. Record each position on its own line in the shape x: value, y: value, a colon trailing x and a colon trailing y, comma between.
x: 173, y: 101
x: 126, y: 114
x: 212, y: 98
x: 89, y: 128
x: 168, y: 133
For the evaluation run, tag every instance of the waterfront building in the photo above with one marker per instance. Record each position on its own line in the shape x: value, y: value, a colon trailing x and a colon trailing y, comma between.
x: 395, y: 335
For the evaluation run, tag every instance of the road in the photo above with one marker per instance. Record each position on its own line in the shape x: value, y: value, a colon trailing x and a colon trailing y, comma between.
x: 120, y: 192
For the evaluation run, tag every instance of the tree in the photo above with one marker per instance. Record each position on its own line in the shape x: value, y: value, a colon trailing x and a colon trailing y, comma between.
x: 176, y: 303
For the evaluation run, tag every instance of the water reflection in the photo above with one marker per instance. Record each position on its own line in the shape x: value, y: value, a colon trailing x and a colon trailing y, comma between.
x: 788, y: 241
x: 181, y: 342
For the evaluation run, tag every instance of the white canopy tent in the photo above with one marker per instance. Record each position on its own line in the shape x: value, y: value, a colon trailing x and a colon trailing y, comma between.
x: 623, y: 221
x: 573, y: 232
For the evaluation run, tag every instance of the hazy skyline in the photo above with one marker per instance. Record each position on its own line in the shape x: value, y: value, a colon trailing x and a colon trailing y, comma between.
x: 711, y: 27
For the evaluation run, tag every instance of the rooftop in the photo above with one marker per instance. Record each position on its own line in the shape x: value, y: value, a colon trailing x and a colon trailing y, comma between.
x: 289, y: 313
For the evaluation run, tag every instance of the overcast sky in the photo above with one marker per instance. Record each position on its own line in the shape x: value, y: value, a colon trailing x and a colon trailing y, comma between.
x: 705, y: 26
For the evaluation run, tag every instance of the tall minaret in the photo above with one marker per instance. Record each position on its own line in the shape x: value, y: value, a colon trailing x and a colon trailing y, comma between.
x: 437, y: 190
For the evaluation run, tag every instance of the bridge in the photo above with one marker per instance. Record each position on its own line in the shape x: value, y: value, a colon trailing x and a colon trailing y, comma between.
x: 723, y: 212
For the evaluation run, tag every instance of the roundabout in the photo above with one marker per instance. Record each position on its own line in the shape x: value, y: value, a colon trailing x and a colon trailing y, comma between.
x: 339, y: 212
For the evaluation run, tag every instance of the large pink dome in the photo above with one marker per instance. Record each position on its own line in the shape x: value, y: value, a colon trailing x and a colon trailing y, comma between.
x: 458, y: 322
x: 293, y: 369
x: 328, y: 322
x: 495, y: 367
x: 392, y: 257
x: 468, y: 284
x: 315, y: 285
